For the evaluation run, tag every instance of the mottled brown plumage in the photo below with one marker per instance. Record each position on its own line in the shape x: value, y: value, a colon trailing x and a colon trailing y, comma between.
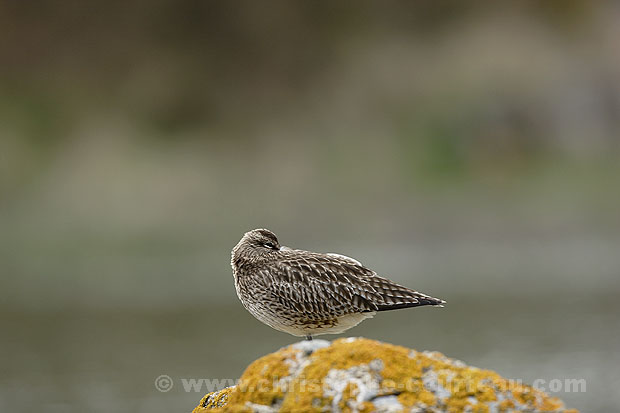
x: 307, y: 293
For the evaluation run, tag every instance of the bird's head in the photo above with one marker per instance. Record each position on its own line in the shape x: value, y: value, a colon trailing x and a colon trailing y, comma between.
x: 255, y: 245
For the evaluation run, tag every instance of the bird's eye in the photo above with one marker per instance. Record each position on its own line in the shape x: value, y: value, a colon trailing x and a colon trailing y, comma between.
x: 269, y: 245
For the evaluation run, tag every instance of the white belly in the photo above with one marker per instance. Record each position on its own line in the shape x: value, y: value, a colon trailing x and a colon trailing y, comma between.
x: 342, y: 324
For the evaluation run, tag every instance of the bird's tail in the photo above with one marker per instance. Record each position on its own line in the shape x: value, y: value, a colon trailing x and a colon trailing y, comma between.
x: 394, y: 296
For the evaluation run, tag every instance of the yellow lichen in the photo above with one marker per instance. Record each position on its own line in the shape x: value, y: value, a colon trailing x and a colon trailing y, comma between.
x: 417, y: 379
x: 366, y: 407
x: 506, y: 405
x: 480, y: 408
x: 260, y: 381
x: 348, y: 396
x: 213, y: 400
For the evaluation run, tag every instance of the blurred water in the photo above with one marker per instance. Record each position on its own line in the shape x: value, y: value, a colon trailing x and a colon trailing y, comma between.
x: 107, y: 360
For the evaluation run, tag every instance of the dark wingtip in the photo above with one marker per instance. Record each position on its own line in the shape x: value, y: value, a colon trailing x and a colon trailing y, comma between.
x: 420, y: 302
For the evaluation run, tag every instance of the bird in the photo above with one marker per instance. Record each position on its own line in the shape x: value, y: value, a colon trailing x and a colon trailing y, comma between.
x: 306, y: 293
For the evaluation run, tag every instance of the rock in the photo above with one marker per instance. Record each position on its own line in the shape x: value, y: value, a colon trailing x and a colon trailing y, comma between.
x: 361, y: 375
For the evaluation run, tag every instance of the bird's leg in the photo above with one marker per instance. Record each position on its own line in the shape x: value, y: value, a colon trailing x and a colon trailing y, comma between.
x: 309, y: 337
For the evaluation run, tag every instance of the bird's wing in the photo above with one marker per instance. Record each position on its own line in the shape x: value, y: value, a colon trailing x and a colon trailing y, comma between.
x: 312, y: 281
x: 344, y: 257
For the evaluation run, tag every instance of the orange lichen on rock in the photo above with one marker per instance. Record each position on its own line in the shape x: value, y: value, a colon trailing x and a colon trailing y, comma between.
x: 361, y: 375
x: 213, y: 400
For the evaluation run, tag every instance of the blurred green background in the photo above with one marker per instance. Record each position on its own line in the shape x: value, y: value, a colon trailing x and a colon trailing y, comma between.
x: 470, y: 151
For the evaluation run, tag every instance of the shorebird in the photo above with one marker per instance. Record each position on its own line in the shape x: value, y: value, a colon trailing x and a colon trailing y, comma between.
x: 307, y: 293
